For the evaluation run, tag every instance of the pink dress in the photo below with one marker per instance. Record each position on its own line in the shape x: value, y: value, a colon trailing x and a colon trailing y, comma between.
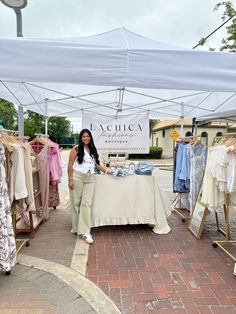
x: 55, y: 174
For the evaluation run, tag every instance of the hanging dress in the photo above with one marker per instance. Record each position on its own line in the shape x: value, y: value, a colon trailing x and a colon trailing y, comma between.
x: 7, y: 240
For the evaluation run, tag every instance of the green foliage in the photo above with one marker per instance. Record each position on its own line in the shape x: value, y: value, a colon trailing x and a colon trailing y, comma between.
x: 58, y: 127
x: 229, y: 43
x: 76, y: 135
x: 152, y: 124
x: 65, y: 142
x: 33, y: 123
x: 229, y: 16
x: 8, y: 115
x: 154, y: 153
x: 202, y: 41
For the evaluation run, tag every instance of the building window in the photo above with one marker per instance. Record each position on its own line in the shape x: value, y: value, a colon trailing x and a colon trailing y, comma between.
x: 204, y: 138
x: 188, y: 133
x: 157, y: 142
x: 163, y: 133
x: 219, y: 134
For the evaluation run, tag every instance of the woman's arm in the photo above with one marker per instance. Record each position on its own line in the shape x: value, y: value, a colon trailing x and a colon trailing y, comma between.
x: 103, y: 169
x: 72, y: 158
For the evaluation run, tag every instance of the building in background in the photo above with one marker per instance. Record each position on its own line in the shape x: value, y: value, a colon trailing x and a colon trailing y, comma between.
x: 161, y: 134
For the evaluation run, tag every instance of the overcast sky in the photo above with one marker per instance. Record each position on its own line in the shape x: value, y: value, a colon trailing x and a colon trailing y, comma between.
x: 178, y: 22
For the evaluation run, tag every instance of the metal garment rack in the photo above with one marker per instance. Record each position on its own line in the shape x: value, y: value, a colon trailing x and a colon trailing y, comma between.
x: 19, y: 242
x: 181, y: 210
x: 226, y: 233
x: 40, y: 135
x: 220, y: 243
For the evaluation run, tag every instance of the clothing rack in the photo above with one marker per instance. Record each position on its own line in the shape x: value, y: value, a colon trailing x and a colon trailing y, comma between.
x: 8, y: 132
x: 40, y: 135
x: 179, y: 210
x: 4, y: 133
x: 226, y: 233
x: 39, y: 142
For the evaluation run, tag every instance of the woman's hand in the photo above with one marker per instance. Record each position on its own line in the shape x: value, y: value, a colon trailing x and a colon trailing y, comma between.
x: 109, y: 172
x: 71, y: 184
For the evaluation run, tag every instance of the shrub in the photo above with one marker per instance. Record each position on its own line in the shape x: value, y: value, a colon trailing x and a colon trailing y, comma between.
x: 154, y: 153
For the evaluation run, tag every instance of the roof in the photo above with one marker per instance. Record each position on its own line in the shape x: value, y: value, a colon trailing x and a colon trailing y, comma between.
x: 165, y: 124
x: 171, y: 123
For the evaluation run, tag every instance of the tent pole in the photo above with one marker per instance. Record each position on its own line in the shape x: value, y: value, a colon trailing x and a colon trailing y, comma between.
x: 21, y: 120
x: 46, y: 116
x: 194, y: 126
x: 227, y: 127
x: 182, y: 120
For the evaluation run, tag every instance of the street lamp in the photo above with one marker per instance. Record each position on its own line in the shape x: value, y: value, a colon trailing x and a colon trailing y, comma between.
x: 17, y: 5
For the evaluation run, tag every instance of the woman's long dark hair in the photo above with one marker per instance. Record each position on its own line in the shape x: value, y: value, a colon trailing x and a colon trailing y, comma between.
x: 92, y: 148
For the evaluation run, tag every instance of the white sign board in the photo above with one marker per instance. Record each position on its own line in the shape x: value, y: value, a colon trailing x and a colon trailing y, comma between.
x: 128, y: 134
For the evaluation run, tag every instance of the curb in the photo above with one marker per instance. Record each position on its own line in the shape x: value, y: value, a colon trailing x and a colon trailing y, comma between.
x: 99, y: 301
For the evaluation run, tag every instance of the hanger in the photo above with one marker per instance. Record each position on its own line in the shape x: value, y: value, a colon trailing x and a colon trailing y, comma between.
x: 42, y: 141
x: 229, y: 141
x: 6, y: 143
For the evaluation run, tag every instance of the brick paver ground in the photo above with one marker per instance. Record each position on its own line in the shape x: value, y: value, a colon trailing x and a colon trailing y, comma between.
x: 53, y: 240
x: 148, y: 273
x: 141, y: 271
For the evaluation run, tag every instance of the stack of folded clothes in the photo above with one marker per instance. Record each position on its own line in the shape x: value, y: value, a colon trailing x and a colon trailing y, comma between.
x: 144, y: 169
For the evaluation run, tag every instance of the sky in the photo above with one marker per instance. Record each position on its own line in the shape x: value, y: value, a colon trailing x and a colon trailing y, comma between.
x: 177, y: 22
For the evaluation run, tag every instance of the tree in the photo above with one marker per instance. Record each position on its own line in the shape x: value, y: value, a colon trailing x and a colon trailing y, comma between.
x: 58, y: 127
x: 152, y: 124
x: 229, y: 14
x: 34, y: 123
x: 8, y: 115
x: 229, y: 43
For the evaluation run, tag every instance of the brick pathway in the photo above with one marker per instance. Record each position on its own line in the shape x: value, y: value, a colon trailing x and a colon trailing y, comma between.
x: 140, y: 271
x: 53, y: 240
x: 148, y: 273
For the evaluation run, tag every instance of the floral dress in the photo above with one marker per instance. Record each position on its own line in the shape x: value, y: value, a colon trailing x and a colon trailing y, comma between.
x: 7, y: 240
x: 197, y: 157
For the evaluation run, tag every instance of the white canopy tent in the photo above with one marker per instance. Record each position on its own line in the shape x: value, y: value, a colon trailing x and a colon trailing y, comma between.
x: 225, y: 116
x: 115, y: 73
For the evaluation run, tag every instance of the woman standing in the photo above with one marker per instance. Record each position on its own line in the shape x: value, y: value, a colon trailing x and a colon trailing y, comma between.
x: 82, y: 161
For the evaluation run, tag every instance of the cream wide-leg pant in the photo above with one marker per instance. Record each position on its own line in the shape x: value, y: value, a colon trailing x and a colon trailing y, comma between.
x: 81, y: 198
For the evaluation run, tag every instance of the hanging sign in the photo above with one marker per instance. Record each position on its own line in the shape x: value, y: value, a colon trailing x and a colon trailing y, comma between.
x: 174, y: 135
x: 127, y: 134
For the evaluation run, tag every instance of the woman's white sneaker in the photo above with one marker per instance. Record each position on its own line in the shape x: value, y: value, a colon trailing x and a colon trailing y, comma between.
x: 88, y: 238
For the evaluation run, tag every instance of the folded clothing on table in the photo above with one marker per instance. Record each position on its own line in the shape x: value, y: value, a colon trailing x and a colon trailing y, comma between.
x: 144, y: 169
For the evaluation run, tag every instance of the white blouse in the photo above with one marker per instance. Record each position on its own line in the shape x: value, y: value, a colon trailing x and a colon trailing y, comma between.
x: 87, y: 165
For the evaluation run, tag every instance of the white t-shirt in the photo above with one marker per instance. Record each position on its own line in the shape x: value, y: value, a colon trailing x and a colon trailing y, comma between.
x: 87, y: 165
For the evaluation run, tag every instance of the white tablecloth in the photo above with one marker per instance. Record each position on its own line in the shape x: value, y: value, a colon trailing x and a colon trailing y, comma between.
x: 130, y: 200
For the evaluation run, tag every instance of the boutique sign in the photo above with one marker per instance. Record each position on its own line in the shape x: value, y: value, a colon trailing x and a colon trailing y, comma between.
x: 129, y: 134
